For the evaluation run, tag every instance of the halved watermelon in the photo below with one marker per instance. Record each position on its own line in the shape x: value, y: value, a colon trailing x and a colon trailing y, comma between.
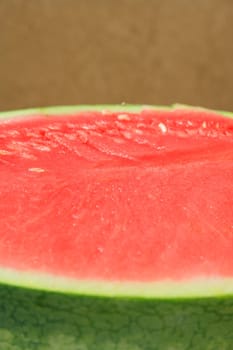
x: 116, y: 229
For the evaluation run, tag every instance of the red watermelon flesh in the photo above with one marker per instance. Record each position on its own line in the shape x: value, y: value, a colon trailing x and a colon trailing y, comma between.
x: 143, y: 196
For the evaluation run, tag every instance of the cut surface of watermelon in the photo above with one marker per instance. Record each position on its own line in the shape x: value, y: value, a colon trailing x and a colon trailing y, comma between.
x: 132, y: 203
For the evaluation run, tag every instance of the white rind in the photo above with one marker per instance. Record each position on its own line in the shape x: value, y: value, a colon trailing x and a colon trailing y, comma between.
x: 197, y: 287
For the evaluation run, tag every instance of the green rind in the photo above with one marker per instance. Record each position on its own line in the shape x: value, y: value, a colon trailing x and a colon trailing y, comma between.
x: 100, y: 108
x: 35, y: 320
x: 75, y: 109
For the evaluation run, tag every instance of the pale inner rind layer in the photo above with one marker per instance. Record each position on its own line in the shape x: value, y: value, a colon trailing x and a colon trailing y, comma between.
x: 202, y: 286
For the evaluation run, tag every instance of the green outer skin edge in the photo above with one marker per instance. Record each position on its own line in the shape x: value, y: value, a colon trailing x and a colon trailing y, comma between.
x: 75, y: 109
x: 110, y: 108
x: 47, y: 320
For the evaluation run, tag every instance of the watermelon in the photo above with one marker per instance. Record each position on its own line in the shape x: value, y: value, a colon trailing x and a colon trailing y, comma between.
x: 116, y: 229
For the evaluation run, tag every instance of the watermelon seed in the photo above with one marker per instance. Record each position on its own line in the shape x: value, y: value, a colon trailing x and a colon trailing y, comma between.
x: 123, y: 117
x: 42, y: 148
x: 127, y: 134
x: 4, y: 152
x: 204, y: 125
x: 162, y: 127
x: 138, y: 131
x: 36, y: 170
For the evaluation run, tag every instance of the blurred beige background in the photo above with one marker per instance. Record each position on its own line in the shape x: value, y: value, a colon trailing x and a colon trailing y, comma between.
x: 110, y: 51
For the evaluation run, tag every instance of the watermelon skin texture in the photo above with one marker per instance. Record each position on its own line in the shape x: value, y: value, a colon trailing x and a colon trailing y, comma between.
x: 39, y: 320
x: 48, y: 320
